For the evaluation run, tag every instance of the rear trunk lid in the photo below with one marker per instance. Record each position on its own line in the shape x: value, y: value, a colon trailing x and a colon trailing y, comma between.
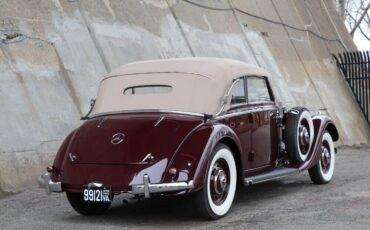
x: 129, y: 138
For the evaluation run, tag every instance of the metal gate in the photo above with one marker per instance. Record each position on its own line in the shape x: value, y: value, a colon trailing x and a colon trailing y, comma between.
x: 355, y: 67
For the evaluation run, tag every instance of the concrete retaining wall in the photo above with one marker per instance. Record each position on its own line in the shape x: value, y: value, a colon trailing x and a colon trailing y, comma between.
x: 54, y: 53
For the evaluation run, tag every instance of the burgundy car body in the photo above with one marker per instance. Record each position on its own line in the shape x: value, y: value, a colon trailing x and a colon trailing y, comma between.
x: 122, y: 165
x: 180, y: 145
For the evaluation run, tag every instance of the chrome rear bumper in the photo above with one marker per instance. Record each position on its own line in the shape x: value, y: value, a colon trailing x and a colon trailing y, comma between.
x: 147, y: 188
x: 49, y: 185
x: 142, y: 189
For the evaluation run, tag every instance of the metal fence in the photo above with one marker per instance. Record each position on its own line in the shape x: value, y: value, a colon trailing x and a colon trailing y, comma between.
x: 355, y: 67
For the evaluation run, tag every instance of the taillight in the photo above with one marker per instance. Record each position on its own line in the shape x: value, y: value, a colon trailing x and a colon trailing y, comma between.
x: 50, y: 169
x: 55, y: 174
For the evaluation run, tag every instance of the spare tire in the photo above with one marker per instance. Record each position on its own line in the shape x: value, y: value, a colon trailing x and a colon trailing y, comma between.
x: 298, y: 134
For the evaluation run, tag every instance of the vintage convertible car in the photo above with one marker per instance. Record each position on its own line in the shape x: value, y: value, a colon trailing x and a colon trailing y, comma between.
x: 187, y: 125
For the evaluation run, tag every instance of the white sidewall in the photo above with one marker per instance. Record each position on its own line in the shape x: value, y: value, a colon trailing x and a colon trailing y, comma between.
x: 307, y: 116
x: 329, y: 174
x: 222, y: 209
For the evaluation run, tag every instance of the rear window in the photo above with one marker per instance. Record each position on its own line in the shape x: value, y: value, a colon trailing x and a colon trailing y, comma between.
x: 148, y: 89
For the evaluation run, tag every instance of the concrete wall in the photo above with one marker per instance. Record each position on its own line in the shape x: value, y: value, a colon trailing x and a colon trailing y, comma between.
x: 54, y: 53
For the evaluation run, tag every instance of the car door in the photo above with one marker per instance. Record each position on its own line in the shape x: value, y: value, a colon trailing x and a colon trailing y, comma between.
x: 263, y: 133
x: 237, y: 115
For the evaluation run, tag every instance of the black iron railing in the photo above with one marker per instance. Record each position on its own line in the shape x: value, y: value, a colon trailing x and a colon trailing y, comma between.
x: 355, y: 67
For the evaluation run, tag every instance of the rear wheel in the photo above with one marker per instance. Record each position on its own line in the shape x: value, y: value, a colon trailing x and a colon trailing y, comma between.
x: 324, y: 170
x: 299, y: 133
x: 86, y: 208
x: 217, y: 195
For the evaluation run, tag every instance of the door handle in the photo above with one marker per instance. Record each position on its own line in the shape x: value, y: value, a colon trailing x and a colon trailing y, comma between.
x: 240, y: 123
x: 236, y: 124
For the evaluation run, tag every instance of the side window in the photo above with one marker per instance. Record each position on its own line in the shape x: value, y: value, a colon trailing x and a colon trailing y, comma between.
x: 237, y: 93
x: 257, y: 89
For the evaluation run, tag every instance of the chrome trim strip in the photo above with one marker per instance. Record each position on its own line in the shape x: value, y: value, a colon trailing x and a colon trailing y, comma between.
x: 72, y: 157
x: 147, y: 188
x: 148, y: 158
x: 159, y: 121
x: 275, y: 174
x: 148, y: 111
x: 222, y: 116
x: 49, y: 185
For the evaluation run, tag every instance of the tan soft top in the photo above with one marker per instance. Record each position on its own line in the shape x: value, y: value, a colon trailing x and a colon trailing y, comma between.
x: 198, y: 85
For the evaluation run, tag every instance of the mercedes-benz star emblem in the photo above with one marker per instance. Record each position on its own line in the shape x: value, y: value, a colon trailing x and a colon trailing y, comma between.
x: 117, y: 138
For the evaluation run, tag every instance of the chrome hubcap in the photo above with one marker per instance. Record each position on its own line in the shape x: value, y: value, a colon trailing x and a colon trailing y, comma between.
x: 219, y: 181
x: 325, y: 159
x: 303, y: 138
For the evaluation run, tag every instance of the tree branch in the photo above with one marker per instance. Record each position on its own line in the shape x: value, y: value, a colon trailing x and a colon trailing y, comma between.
x: 364, y: 34
x: 360, y: 20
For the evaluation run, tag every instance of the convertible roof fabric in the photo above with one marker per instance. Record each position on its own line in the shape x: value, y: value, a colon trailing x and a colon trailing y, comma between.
x: 198, y: 85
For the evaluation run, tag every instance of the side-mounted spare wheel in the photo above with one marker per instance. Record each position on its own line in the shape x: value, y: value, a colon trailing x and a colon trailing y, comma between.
x: 299, y: 133
x: 324, y: 170
x: 216, y: 197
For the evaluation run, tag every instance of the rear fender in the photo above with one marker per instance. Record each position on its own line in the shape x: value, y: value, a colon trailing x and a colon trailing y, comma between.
x: 321, y: 124
x: 60, y: 156
x: 193, y: 157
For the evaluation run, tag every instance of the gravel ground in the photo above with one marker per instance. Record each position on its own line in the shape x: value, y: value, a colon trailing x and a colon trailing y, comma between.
x: 290, y: 203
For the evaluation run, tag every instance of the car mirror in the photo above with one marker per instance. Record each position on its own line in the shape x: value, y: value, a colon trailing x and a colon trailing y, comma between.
x: 92, y: 103
x: 225, y: 99
x: 281, y: 108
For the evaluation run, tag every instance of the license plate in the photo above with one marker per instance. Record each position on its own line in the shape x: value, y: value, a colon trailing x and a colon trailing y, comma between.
x: 97, y: 194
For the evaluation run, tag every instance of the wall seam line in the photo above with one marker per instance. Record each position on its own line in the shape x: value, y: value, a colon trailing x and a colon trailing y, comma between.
x: 93, y: 37
x: 231, y: 5
x: 181, y: 29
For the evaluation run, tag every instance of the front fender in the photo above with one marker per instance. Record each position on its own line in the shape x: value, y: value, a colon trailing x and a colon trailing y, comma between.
x: 321, y: 124
x: 192, y: 158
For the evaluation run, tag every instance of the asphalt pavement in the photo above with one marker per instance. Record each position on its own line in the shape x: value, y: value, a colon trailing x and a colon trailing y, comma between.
x: 290, y: 203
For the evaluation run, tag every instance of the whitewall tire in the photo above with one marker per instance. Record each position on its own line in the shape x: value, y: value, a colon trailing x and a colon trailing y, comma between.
x: 299, y: 134
x: 217, y: 195
x: 322, y: 173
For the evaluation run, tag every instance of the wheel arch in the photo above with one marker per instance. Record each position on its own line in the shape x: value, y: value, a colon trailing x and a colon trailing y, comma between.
x: 198, y: 148
x: 333, y: 131
x: 220, y: 134
x: 322, y: 124
x: 237, y: 155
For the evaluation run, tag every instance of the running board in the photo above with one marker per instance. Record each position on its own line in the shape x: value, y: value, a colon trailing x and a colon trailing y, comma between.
x: 277, y: 173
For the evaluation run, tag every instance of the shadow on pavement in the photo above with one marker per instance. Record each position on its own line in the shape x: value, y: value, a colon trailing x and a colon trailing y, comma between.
x: 179, y: 209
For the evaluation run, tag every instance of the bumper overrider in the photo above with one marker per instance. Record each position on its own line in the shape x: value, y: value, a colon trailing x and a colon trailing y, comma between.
x: 141, y: 189
x: 49, y: 185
